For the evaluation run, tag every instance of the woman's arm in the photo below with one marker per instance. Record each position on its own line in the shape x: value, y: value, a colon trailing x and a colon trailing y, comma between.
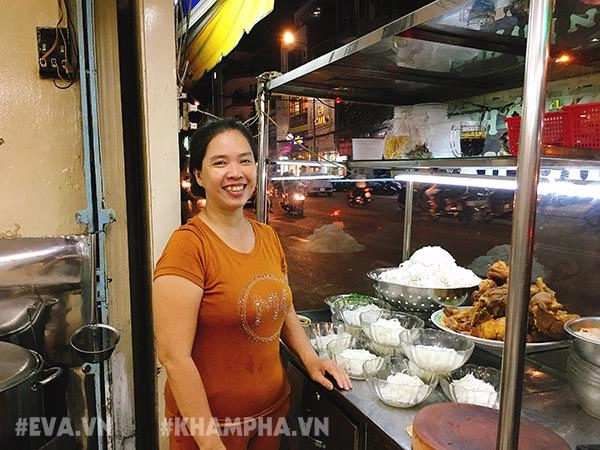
x: 176, y: 302
x: 296, y: 339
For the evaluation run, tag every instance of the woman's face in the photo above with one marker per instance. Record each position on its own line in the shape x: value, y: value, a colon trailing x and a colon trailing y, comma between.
x: 228, y: 172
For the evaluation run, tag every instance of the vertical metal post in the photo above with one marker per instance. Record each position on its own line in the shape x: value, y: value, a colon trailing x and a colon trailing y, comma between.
x: 314, y: 130
x: 523, y: 227
x: 408, y: 207
x: 95, y: 216
x: 285, y: 58
x: 263, y: 150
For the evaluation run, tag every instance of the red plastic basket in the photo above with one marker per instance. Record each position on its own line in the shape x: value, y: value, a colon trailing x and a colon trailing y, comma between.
x: 583, y: 125
x: 514, y: 126
x: 553, y: 130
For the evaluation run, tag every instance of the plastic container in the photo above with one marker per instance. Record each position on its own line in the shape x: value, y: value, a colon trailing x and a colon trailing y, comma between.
x: 398, y: 139
x: 553, y: 130
x: 583, y: 125
x: 573, y: 126
x: 367, y: 148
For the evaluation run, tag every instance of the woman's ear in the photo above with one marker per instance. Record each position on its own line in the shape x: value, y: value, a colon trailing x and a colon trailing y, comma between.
x: 198, y: 177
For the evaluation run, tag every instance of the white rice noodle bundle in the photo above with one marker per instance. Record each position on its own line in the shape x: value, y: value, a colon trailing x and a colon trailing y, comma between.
x: 431, y: 267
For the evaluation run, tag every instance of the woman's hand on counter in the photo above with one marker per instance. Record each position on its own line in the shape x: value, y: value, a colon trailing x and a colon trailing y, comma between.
x: 323, y: 371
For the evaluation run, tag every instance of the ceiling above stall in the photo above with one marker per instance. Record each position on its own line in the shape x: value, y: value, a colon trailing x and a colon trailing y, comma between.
x: 446, y: 50
x: 213, y: 28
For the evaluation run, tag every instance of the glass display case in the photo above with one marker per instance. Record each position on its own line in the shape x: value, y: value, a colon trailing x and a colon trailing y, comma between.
x: 487, y: 61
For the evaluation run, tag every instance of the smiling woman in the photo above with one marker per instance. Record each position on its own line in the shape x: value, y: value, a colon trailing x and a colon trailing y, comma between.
x: 221, y: 304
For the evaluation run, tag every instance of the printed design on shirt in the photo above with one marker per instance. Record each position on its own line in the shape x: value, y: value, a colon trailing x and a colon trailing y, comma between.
x: 262, y: 307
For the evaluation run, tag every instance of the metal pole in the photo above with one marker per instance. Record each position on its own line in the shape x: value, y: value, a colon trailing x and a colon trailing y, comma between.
x: 408, y: 207
x: 314, y: 130
x: 284, y: 62
x: 95, y: 216
x: 263, y: 148
x: 523, y: 228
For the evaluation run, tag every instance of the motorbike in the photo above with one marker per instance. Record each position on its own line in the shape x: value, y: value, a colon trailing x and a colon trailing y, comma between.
x: 469, y: 205
x: 419, y: 198
x: 360, y: 197
x: 444, y: 202
x: 494, y: 205
x: 292, y: 202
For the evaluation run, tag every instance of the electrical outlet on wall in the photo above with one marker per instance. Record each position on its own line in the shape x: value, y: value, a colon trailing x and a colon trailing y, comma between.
x: 54, y: 53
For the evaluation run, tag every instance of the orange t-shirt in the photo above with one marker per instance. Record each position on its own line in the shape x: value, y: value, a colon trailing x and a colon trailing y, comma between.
x: 245, y: 301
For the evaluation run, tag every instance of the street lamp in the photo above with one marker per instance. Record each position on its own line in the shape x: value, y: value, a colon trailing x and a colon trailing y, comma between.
x: 288, y: 42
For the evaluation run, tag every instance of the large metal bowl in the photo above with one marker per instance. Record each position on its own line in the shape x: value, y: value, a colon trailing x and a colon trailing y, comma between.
x: 585, y: 382
x: 586, y: 347
x: 415, y: 299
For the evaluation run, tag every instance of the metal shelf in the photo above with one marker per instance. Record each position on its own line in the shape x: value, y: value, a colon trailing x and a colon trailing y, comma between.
x: 432, y: 55
x: 437, y: 163
x: 559, y: 157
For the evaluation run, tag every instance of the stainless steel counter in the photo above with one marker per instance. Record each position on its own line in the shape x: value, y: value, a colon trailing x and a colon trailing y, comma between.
x: 548, y: 399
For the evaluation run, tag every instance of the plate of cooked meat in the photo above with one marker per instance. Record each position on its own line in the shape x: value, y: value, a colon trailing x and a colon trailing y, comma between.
x: 440, y: 319
x: 485, y: 321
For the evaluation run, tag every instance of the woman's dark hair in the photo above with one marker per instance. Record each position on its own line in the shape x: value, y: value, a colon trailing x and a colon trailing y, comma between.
x: 204, y: 135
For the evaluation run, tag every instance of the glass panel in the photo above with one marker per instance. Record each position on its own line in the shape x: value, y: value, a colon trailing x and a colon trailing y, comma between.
x: 567, y: 240
x: 337, y: 240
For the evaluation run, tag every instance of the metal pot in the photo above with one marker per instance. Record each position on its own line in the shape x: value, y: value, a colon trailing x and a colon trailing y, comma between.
x: 23, y: 320
x: 22, y: 377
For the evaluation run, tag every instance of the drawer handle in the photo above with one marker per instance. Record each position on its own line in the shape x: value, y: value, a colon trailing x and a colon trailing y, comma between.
x: 317, y: 396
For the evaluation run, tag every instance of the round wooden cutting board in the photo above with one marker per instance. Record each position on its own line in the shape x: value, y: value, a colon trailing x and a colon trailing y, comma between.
x: 460, y: 426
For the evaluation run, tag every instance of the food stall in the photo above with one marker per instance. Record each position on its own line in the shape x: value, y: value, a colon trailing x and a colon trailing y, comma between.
x: 534, y: 61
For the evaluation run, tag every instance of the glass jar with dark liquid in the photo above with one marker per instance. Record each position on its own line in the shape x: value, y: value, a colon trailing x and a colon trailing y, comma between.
x: 472, y: 138
x: 472, y: 142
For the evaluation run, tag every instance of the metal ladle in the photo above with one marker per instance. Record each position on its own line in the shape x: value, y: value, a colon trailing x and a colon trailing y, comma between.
x: 94, y: 342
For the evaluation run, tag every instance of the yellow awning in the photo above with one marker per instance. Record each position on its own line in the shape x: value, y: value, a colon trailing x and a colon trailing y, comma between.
x: 222, y: 29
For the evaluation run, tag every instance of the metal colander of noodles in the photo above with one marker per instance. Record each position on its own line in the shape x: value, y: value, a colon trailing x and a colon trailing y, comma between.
x: 421, y: 300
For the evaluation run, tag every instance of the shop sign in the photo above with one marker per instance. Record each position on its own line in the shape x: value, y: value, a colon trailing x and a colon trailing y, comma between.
x: 321, y: 118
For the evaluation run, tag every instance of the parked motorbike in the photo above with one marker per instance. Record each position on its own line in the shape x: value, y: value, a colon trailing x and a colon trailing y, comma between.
x: 292, y: 202
x: 360, y: 197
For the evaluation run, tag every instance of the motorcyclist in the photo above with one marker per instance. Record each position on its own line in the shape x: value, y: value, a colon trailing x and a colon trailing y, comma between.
x: 288, y: 203
x: 438, y: 197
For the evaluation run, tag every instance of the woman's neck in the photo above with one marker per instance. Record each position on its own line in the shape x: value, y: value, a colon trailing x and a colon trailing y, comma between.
x: 224, y: 219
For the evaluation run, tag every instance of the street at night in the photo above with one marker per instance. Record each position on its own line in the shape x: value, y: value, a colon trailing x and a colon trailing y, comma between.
x: 378, y: 227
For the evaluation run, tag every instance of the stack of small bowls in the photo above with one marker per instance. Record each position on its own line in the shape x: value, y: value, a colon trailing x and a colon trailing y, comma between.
x: 395, y: 383
x: 473, y: 384
x: 583, y: 363
x: 436, y: 351
x: 322, y: 333
x: 350, y: 353
x: 383, y: 329
x: 338, y: 303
